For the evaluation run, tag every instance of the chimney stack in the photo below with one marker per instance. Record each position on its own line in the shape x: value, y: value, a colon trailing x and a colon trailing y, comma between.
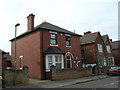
x: 30, y: 22
x: 88, y: 32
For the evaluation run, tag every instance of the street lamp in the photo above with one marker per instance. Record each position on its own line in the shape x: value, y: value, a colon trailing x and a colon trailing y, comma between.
x: 15, y: 51
x: 15, y: 41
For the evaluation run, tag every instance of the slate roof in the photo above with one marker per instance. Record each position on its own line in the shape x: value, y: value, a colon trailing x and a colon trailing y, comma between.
x: 115, y: 45
x: 49, y: 27
x: 8, y: 57
x: 89, y: 38
x: 53, y: 50
x: 105, y: 38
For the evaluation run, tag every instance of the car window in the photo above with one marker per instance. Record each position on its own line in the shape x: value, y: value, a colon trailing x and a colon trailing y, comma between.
x: 114, y: 67
x: 118, y: 67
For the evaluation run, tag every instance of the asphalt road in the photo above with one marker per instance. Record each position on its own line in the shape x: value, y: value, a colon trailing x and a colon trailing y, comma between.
x: 111, y: 82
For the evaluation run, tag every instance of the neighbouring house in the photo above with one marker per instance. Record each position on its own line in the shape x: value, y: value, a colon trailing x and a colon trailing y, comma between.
x: 108, y: 49
x: 93, y: 52
x: 116, y: 51
x: 5, y: 60
x: 45, y: 45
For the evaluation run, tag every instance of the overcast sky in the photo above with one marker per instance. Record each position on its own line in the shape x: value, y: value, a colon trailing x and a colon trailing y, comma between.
x: 78, y: 15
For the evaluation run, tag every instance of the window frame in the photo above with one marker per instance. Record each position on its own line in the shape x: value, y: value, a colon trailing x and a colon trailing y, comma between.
x: 58, y: 62
x: 55, y: 33
x: 108, y: 49
x: 69, y: 41
x: 100, y: 48
x: 21, y: 62
x: 53, y: 39
x: 54, y: 61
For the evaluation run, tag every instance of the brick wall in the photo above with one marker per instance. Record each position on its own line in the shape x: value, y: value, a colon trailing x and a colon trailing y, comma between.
x: 73, y: 73
x: 28, y: 47
x: 21, y: 77
x: 75, y: 49
x: 109, y: 44
x: 90, y: 51
x: 116, y: 56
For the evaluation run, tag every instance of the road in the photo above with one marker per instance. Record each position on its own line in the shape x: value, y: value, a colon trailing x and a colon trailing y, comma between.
x: 111, y: 82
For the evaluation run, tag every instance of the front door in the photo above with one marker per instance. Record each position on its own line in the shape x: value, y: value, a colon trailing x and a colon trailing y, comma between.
x: 68, y: 62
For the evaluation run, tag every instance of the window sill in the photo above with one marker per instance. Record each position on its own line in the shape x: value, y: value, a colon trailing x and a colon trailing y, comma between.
x: 53, y: 45
x: 47, y: 70
x: 68, y: 46
x: 100, y: 52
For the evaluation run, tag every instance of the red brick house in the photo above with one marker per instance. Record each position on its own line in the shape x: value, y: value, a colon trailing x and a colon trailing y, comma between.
x: 5, y: 60
x: 94, y: 49
x: 108, y: 48
x: 46, y: 45
x: 116, y: 51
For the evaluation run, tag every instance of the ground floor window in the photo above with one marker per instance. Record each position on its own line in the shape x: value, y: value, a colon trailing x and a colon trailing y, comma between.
x: 111, y: 61
x: 104, y: 62
x: 56, y: 60
x: 21, y: 62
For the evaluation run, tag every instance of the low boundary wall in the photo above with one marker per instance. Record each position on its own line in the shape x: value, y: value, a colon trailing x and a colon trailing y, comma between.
x: 62, y: 74
x: 21, y: 77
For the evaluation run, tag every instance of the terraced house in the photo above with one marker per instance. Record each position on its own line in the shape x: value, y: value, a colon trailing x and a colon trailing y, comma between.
x: 96, y: 50
x: 45, y: 45
x: 5, y: 61
x: 109, y: 54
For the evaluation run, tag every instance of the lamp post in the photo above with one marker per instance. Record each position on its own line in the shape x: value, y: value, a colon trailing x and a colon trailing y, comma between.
x: 15, y: 51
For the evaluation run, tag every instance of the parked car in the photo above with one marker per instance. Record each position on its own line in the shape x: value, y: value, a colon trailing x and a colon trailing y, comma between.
x: 113, y: 71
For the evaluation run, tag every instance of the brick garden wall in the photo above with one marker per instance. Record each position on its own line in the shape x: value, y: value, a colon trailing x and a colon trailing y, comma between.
x: 62, y: 74
x: 21, y: 77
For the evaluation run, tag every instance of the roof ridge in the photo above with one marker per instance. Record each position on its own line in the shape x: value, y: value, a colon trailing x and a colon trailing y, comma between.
x: 57, y: 26
x: 91, y: 34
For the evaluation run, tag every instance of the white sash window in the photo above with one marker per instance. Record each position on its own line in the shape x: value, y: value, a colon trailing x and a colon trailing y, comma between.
x: 54, y: 59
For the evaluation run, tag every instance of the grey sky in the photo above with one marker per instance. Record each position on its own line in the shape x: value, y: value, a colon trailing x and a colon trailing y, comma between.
x: 78, y: 15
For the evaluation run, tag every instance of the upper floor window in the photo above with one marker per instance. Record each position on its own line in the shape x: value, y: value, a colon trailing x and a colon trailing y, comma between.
x: 100, y: 48
x: 53, y: 39
x: 108, y: 49
x: 67, y: 40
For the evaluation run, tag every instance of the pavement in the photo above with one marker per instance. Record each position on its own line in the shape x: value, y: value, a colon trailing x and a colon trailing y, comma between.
x: 35, y: 83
